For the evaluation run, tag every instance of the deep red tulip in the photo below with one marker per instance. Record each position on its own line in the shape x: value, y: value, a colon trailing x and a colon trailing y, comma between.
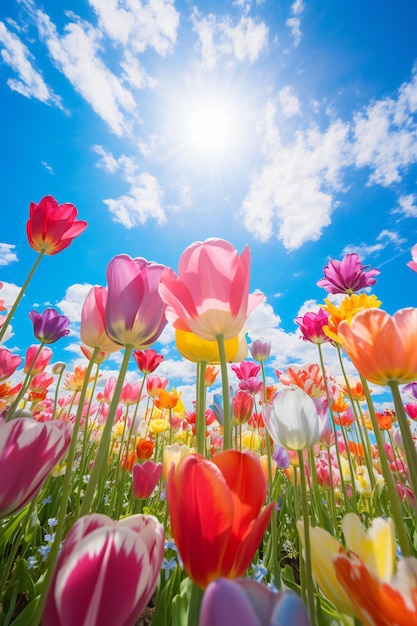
x: 51, y: 226
x: 147, y: 360
x: 106, y: 572
x: 215, y: 508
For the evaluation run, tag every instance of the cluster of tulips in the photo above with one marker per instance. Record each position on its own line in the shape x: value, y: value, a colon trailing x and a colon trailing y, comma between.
x: 288, y: 503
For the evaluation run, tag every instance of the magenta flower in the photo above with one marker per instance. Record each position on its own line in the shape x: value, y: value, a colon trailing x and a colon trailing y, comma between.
x: 413, y: 264
x: 147, y: 360
x: 93, y: 321
x: 29, y: 450
x: 210, y: 295
x: 311, y: 326
x: 347, y: 276
x: 246, y: 370
x: 145, y: 478
x: 9, y: 363
x: 106, y: 572
x: 260, y: 350
x: 135, y: 313
x: 246, y: 602
x: 49, y: 326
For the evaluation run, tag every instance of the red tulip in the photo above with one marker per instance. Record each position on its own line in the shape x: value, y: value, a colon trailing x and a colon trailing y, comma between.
x: 51, y: 226
x: 215, y: 508
x: 147, y: 360
x: 106, y: 572
x: 29, y: 450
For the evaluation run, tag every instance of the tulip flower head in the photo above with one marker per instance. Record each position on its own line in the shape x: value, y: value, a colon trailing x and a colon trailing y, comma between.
x: 106, y: 571
x: 29, y: 450
x: 43, y: 358
x: 51, y: 226
x: 294, y: 420
x: 311, y: 326
x: 382, y: 347
x: 210, y: 295
x: 93, y: 321
x: 260, y: 350
x: 49, y: 326
x: 147, y: 360
x: 215, y: 508
x: 413, y: 264
x: 145, y: 478
x: 347, y: 276
x: 135, y: 313
x: 9, y: 363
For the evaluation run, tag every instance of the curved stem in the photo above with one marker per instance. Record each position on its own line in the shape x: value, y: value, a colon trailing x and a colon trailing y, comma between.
x: 227, y: 426
x: 20, y: 296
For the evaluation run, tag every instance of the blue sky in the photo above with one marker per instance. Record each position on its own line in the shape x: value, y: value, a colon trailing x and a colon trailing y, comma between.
x: 289, y: 126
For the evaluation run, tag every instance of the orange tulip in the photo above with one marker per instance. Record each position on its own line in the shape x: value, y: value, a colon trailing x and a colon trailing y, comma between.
x: 215, y: 508
x: 382, y: 348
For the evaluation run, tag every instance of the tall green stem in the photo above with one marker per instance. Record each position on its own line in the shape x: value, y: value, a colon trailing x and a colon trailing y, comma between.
x: 200, y: 418
x: 227, y: 426
x: 66, y: 486
x: 103, y: 448
x: 409, y: 447
x: 307, y: 549
x: 20, y: 296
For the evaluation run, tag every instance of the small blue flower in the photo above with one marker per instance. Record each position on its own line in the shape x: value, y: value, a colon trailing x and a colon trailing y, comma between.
x: 52, y: 521
x: 31, y: 562
x: 168, y: 566
x: 47, y: 500
x: 259, y: 572
x: 44, y: 551
x: 49, y: 537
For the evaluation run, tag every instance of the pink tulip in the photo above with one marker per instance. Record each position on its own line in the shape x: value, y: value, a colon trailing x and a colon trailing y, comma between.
x: 210, y: 295
x: 9, y: 363
x: 311, y: 326
x: 29, y: 450
x: 42, y: 360
x: 93, y: 321
x: 413, y: 264
x: 145, y: 478
x: 135, y: 313
x: 106, y: 572
x: 51, y: 226
x: 147, y: 360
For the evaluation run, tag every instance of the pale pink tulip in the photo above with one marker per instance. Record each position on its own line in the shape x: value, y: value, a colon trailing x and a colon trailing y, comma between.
x: 210, y: 295
x: 135, y: 313
x: 93, y: 321
x: 106, y: 572
x: 29, y: 450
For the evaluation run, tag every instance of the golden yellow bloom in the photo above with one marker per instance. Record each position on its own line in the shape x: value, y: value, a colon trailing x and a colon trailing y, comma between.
x: 346, y: 311
x: 158, y: 425
x: 195, y: 349
x: 251, y: 440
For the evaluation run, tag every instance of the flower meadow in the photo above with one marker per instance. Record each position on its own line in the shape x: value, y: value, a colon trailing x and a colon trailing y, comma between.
x: 291, y: 503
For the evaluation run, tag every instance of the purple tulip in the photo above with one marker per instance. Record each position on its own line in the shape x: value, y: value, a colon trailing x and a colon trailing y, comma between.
x: 49, y: 326
x: 249, y: 603
x: 135, y: 313
x: 347, y: 276
x: 260, y: 350
x: 145, y: 478
x: 106, y: 572
x: 29, y: 450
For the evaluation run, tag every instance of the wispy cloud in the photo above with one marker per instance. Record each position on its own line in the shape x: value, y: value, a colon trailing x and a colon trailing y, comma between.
x: 407, y: 205
x: 144, y: 199
x: 294, y: 22
x: 384, y: 240
x: 7, y: 254
x: 221, y: 38
x: 30, y: 82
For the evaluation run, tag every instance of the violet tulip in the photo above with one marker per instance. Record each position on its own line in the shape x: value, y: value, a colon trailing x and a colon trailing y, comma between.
x: 210, y: 295
x: 135, y: 313
x: 38, y: 365
x: 145, y: 478
x: 29, y: 450
x: 93, y: 321
x: 9, y: 363
x: 260, y: 350
x: 51, y: 226
x: 311, y: 326
x: 249, y: 603
x: 49, y: 326
x: 347, y: 276
x: 106, y: 572
x: 147, y: 360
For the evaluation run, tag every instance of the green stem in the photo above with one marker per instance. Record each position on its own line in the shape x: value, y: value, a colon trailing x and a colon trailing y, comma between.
x: 200, y: 418
x: 20, y: 296
x: 409, y: 447
x: 103, y: 448
x: 66, y: 488
x: 227, y: 426
x: 195, y: 604
x: 307, y: 550
x: 389, y: 481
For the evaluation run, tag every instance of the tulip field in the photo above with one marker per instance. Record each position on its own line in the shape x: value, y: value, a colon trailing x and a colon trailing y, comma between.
x: 290, y: 503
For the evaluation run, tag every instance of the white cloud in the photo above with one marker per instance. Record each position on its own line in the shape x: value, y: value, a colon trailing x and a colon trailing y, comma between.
x: 407, y: 205
x: 384, y: 239
x: 76, y: 54
x: 386, y: 135
x: 139, y: 25
x: 30, y: 82
x: 290, y: 104
x: 244, y: 41
x: 145, y: 197
x: 291, y: 195
x: 7, y: 254
x: 134, y: 73
x: 294, y: 23
x: 72, y: 303
x: 9, y: 293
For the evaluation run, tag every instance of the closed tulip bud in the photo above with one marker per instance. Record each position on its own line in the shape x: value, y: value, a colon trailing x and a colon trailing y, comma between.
x: 49, y: 326
x: 38, y: 365
x: 145, y: 478
x: 106, y: 572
